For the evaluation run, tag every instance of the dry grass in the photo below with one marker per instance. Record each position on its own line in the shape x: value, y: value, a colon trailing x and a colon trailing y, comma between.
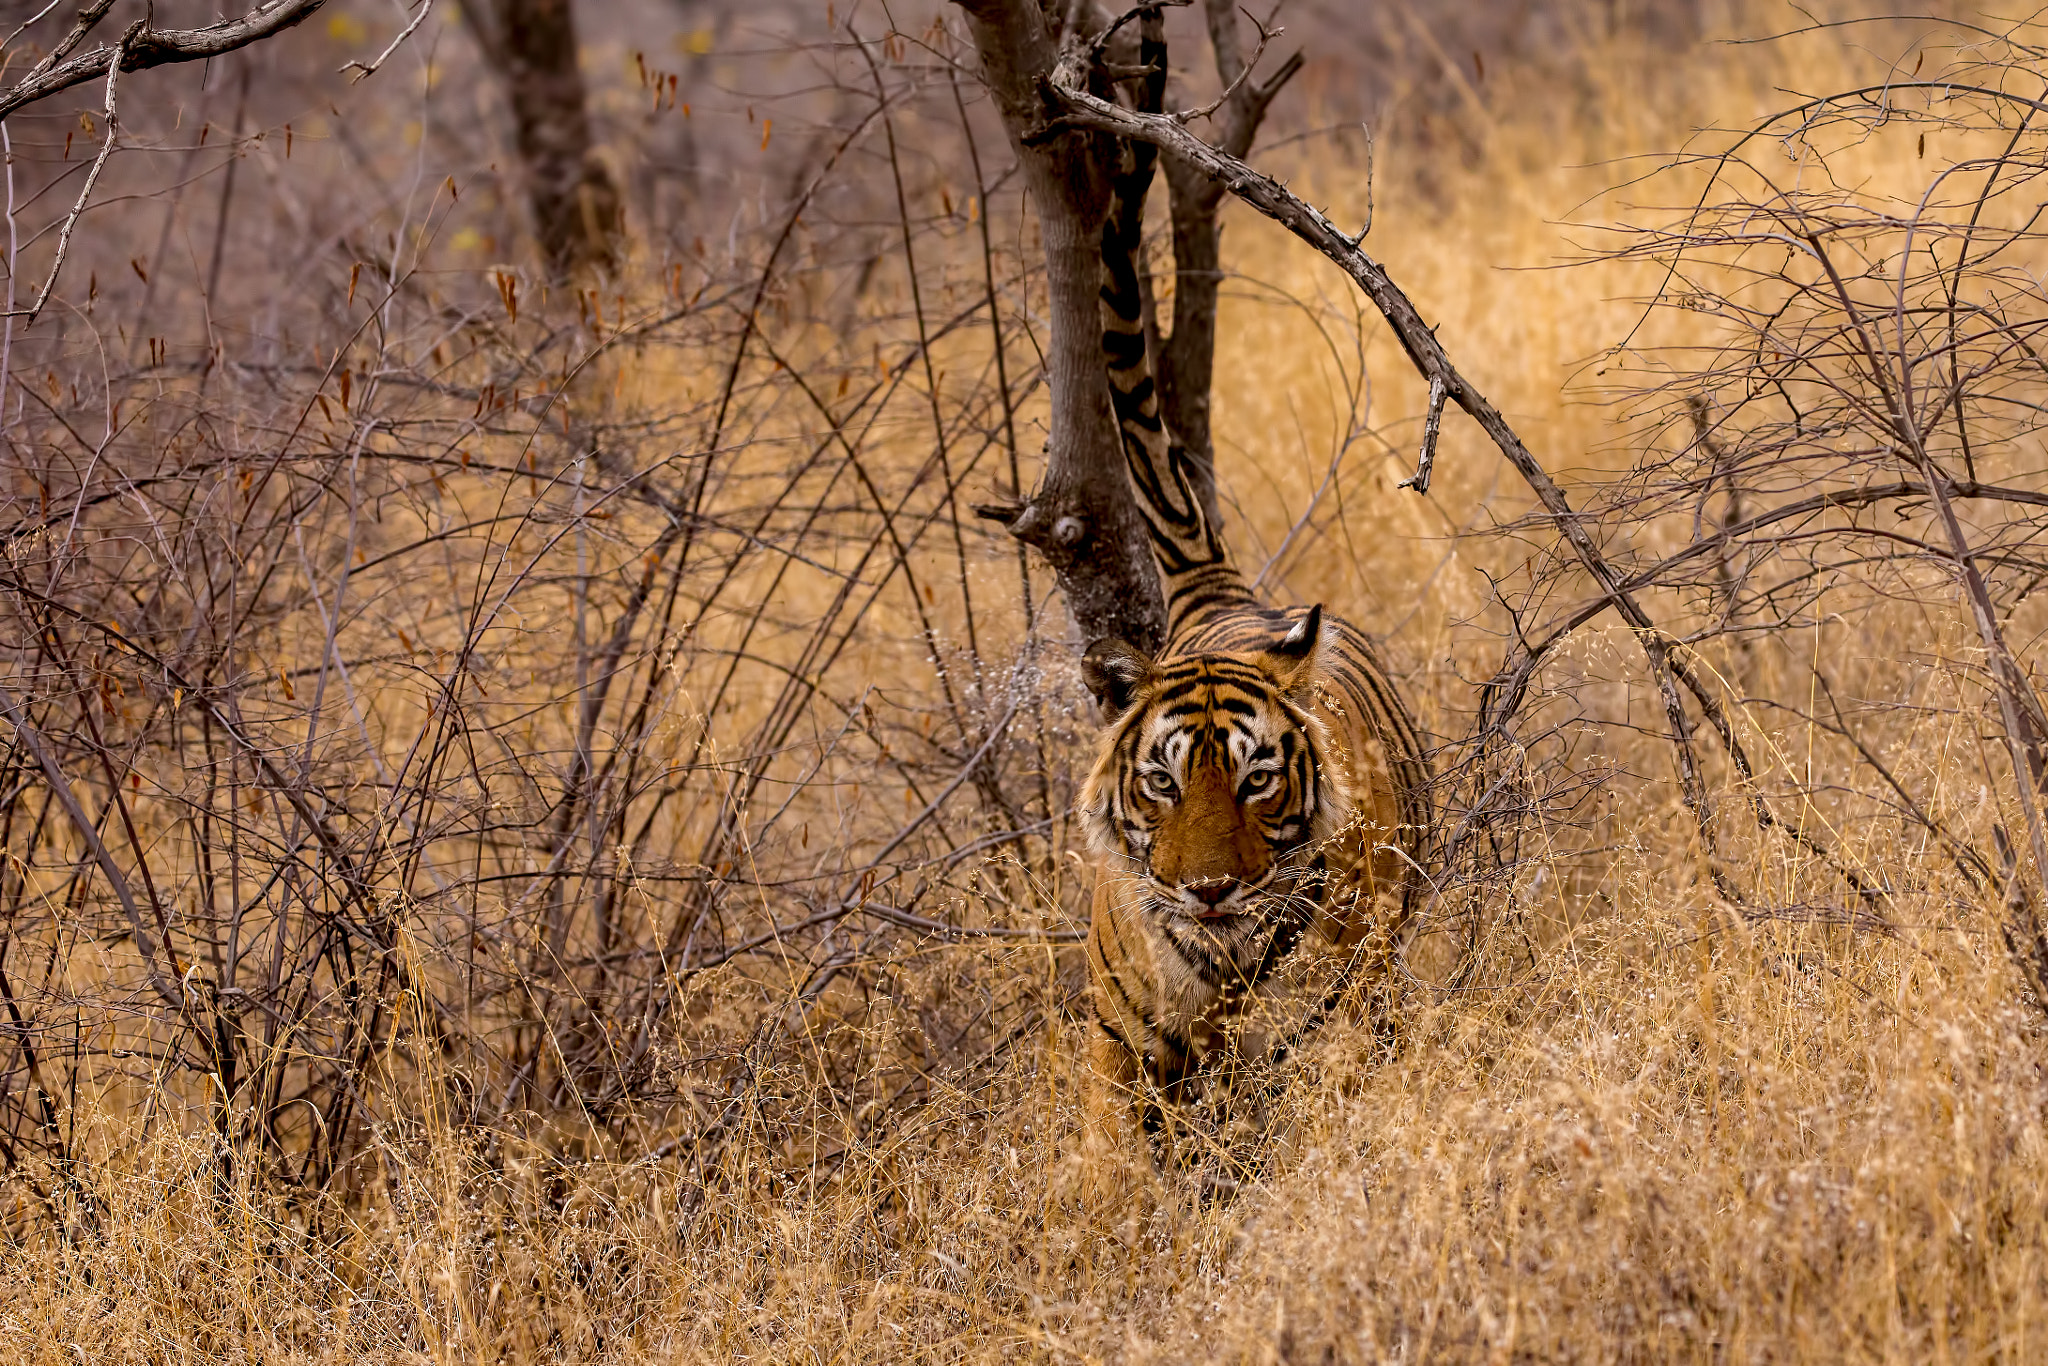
x: 1647, y: 1129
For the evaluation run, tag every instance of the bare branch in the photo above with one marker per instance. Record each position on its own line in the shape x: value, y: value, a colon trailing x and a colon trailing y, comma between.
x: 151, y: 47
x: 88, y: 19
x: 1246, y: 104
x: 32, y: 739
x: 366, y: 70
x: 92, y: 177
x: 23, y: 26
x: 1233, y: 83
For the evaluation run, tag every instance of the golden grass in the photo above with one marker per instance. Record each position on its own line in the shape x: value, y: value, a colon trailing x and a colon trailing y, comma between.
x: 1654, y: 1132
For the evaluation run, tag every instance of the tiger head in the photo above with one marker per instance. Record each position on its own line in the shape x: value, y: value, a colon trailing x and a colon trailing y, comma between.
x: 1212, y: 789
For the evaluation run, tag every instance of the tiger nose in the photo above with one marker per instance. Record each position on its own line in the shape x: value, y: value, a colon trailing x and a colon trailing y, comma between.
x: 1210, y: 891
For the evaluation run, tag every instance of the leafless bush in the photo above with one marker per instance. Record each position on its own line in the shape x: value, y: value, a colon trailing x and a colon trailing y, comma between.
x: 577, y: 715
x: 1857, y: 457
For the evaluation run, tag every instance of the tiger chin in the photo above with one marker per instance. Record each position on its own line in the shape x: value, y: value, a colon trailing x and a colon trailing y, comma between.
x: 1253, y: 816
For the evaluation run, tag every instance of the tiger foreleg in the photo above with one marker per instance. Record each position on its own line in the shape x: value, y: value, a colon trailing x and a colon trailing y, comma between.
x: 1115, y: 1117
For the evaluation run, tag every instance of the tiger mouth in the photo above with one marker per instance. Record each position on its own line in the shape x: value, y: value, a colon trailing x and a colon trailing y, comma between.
x: 1173, y: 906
x: 1252, y: 904
x: 1210, y: 916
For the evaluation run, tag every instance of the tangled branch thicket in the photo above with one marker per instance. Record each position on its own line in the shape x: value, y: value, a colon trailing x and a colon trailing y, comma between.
x: 536, y: 818
x: 1847, y: 484
x: 451, y: 710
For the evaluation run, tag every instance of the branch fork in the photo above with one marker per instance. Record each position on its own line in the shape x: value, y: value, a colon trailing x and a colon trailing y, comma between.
x: 148, y: 47
x: 1667, y: 666
x: 1263, y: 92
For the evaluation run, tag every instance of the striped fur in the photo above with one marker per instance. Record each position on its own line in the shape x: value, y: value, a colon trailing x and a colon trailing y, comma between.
x: 1259, y: 805
x: 1194, y: 565
x: 1257, y: 811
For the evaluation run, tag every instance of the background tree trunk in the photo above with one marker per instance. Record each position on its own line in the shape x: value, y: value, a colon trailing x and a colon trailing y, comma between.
x: 1081, y: 517
x: 578, y: 215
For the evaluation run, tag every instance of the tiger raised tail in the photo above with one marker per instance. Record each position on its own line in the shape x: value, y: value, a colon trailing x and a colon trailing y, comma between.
x: 1259, y: 807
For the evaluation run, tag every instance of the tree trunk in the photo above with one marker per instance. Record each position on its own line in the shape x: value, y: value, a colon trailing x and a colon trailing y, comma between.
x: 1187, y: 361
x: 578, y: 216
x: 1081, y: 517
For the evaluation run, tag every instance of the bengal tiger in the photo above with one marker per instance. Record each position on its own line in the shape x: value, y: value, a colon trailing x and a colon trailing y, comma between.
x: 1259, y: 804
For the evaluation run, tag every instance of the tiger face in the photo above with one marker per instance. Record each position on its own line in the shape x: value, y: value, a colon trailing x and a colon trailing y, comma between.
x: 1211, y: 793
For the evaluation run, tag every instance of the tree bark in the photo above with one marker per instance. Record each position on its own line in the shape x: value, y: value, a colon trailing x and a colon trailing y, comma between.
x: 1082, y: 516
x: 146, y: 47
x: 578, y: 216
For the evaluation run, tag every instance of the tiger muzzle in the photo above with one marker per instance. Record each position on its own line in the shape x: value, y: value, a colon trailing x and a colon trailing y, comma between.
x: 1213, y: 897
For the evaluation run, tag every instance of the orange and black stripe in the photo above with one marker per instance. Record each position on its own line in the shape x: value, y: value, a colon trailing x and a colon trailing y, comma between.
x: 1208, y: 680
x: 1197, y: 573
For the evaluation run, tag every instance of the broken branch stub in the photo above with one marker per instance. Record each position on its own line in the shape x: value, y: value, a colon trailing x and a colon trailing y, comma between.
x: 1432, y: 428
x: 1081, y: 517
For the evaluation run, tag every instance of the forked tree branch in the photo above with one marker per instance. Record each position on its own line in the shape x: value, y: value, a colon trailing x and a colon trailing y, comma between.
x: 1080, y: 110
x: 149, y: 47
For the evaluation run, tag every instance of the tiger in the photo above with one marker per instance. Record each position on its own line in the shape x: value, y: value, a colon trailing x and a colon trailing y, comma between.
x: 1258, y: 807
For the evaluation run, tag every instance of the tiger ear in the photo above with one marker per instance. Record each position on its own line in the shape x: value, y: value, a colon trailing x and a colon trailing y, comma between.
x: 1295, y: 659
x: 1114, y: 671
